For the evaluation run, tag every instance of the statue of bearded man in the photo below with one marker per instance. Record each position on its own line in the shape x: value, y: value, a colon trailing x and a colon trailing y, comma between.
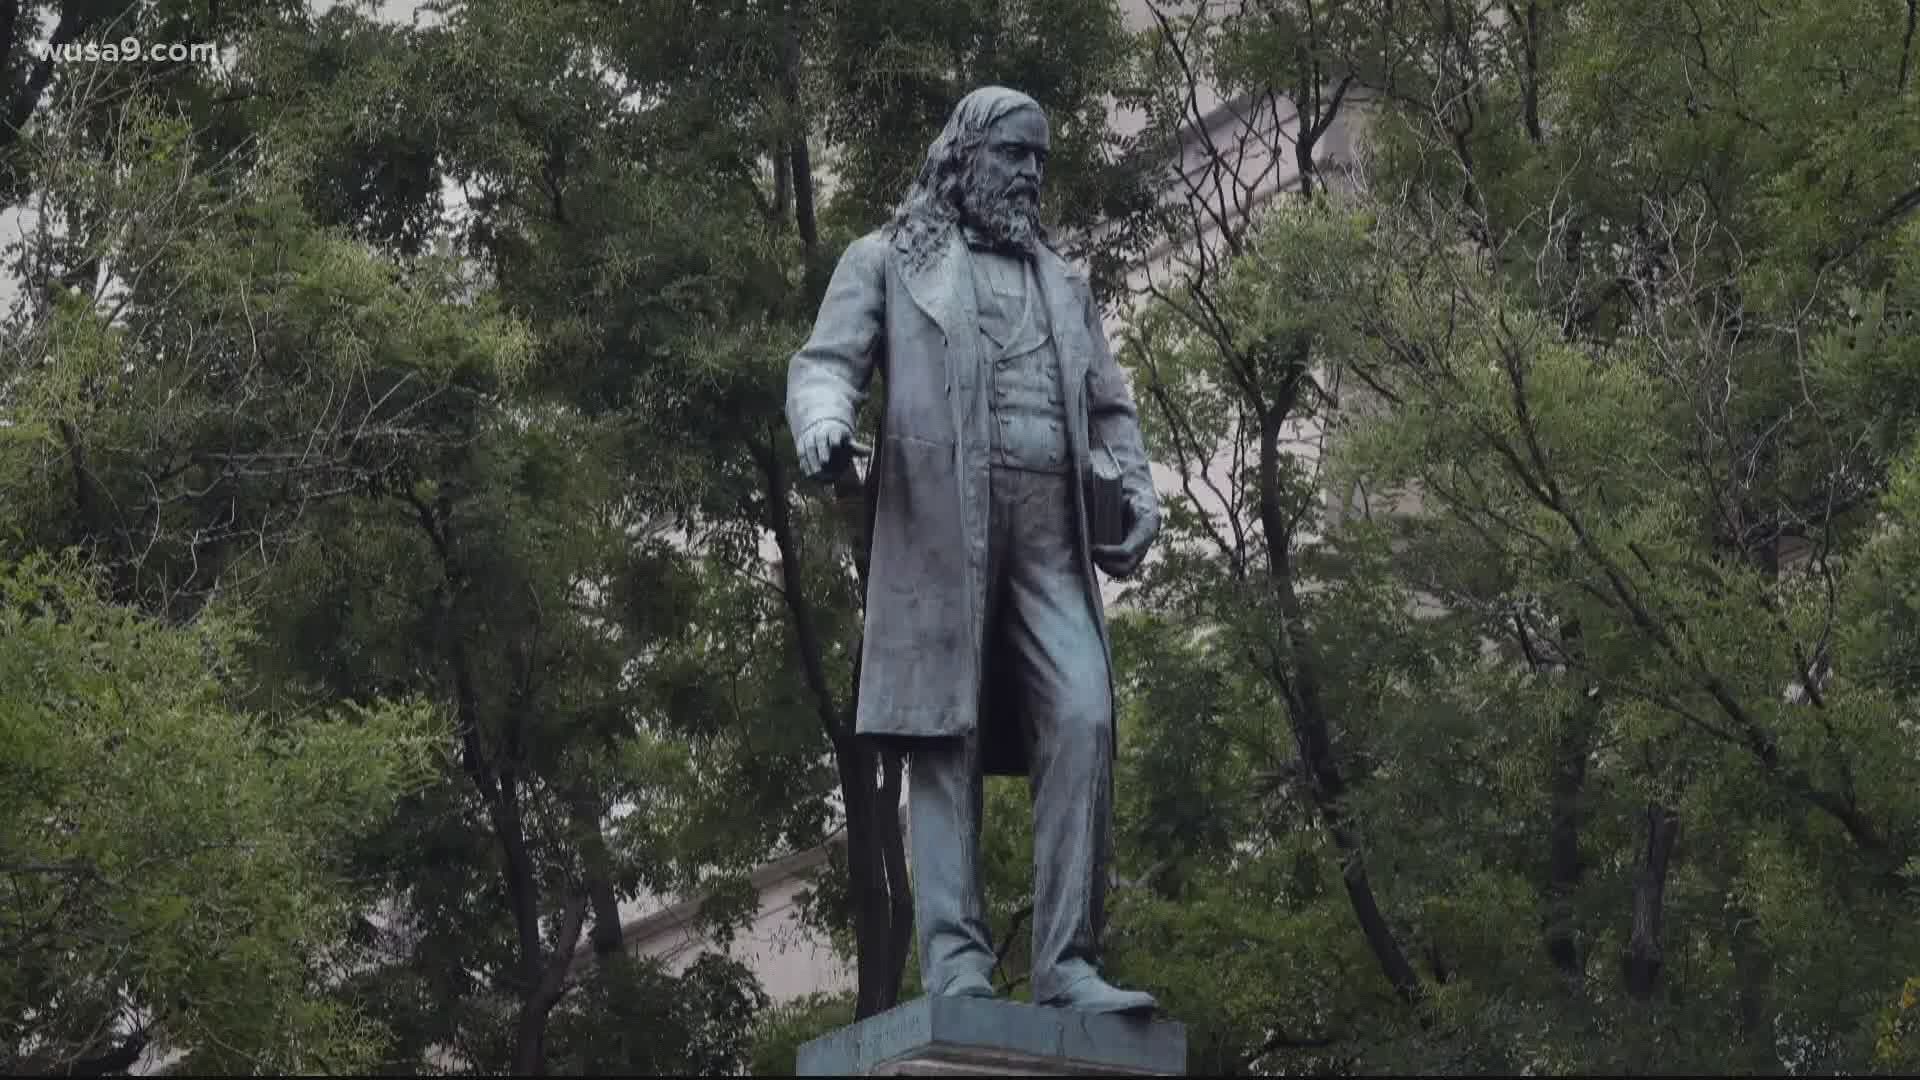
x: 986, y: 646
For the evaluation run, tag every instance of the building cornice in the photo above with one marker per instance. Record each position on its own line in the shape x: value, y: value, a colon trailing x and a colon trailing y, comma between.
x: 780, y: 870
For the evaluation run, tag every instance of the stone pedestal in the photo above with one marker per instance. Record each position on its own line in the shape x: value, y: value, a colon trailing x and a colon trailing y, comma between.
x: 959, y: 1036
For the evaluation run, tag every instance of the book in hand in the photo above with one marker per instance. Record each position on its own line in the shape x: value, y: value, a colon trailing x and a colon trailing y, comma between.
x: 1106, y: 502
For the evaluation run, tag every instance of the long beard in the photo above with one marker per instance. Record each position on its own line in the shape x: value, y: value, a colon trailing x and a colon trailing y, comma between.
x: 1012, y: 220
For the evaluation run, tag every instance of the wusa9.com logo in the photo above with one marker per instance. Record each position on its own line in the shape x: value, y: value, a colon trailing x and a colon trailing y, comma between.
x: 127, y: 49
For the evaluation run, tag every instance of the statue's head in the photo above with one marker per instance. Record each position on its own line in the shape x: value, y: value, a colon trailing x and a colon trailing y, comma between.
x: 986, y: 169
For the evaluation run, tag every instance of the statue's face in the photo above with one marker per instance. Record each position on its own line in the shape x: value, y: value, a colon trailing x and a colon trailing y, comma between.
x: 1002, y: 194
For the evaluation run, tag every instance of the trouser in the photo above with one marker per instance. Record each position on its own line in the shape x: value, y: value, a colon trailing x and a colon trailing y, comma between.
x: 1046, y: 646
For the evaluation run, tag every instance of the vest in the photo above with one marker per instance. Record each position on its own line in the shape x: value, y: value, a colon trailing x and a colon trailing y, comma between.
x: 1028, y: 416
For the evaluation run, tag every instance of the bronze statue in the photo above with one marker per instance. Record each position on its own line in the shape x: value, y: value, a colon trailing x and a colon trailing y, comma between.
x: 986, y: 646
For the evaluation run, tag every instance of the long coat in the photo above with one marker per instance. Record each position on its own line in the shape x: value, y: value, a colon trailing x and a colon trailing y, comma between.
x: 925, y: 663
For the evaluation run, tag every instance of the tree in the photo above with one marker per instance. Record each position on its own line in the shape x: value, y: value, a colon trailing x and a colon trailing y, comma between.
x: 1657, y: 561
x: 204, y: 905
x: 246, y: 403
x: 530, y: 507
x: 1701, y: 519
x: 1233, y: 363
x: 1571, y: 660
x: 531, y: 567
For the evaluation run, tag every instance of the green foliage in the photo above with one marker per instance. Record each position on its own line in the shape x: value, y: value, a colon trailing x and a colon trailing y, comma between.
x: 1898, y: 1045
x: 175, y: 866
x: 1615, y: 335
x: 632, y: 1018
x: 785, y: 1028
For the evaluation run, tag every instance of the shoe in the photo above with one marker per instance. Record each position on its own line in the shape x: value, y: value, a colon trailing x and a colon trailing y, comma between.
x: 968, y: 984
x: 1096, y: 995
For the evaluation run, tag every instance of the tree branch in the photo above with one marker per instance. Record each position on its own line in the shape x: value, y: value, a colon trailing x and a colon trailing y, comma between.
x: 1645, y: 955
x: 530, y: 1031
x: 1906, y: 47
x: 1899, y: 208
x: 75, y: 20
x: 805, y: 629
x: 1280, y: 1040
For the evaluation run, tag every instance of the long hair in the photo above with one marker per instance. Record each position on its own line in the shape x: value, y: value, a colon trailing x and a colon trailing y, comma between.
x: 932, y: 202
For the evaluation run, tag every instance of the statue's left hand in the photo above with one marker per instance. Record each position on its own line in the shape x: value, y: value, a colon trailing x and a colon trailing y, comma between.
x: 1122, y: 559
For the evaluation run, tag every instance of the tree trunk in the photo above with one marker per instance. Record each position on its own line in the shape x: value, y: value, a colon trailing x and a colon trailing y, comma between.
x: 1528, y: 27
x: 893, y: 854
x: 523, y: 887
x: 607, y: 934
x: 1906, y: 46
x: 1753, y: 977
x: 877, y: 970
x: 75, y: 22
x: 799, y: 156
x: 1564, y: 864
x: 1566, y: 786
x: 83, y: 501
x: 530, y: 1027
x: 894, y: 943
x: 782, y: 185
x: 1645, y: 956
x: 1311, y: 728
x: 876, y: 853
x: 539, y: 980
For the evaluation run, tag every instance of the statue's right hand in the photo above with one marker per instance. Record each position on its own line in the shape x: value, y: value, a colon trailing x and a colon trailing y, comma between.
x: 825, y: 449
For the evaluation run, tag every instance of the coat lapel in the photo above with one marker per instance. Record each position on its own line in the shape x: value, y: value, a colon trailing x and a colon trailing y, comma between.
x: 941, y: 286
x: 936, y: 282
